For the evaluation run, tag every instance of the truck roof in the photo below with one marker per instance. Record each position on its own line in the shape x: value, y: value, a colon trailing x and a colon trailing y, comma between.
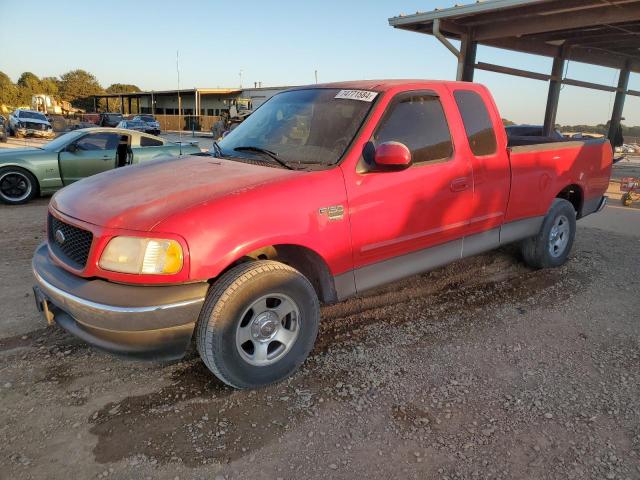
x: 380, y: 85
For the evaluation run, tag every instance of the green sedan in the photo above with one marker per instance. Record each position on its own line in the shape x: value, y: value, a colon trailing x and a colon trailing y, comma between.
x: 27, y: 172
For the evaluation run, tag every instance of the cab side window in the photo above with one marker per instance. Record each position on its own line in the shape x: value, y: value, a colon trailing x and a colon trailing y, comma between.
x: 419, y: 122
x: 477, y: 124
x: 98, y: 141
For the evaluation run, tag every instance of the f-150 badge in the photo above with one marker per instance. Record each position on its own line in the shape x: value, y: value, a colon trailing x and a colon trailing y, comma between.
x: 334, y: 212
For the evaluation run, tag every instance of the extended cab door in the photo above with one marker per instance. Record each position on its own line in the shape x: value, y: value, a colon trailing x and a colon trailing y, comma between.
x: 485, y: 145
x: 405, y: 222
x: 90, y: 154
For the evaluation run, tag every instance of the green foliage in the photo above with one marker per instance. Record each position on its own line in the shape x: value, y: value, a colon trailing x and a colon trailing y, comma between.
x: 122, y: 88
x: 8, y: 91
x: 50, y: 86
x: 78, y: 86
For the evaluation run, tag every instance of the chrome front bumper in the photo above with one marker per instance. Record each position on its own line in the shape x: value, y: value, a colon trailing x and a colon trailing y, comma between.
x: 153, y: 322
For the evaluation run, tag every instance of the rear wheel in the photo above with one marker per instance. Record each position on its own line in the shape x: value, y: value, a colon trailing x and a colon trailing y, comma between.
x: 17, y: 185
x: 258, y: 324
x: 551, y: 246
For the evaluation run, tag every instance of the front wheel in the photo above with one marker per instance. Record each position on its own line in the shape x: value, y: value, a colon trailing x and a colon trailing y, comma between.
x: 17, y: 186
x: 551, y: 246
x: 258, y: 324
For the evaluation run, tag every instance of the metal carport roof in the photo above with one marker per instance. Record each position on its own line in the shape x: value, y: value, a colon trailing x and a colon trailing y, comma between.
x: 598, y: 32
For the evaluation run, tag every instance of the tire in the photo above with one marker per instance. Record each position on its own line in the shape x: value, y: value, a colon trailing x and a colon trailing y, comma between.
x: 246, y: 312
x: 551, y: 246
x: 17, y: 186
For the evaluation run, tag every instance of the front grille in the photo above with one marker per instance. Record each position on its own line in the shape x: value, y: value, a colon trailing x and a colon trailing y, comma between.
x: 69, y: 243
x: 36, y: 126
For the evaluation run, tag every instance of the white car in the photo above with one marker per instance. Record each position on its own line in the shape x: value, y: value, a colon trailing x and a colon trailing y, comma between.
x: 24, y: 123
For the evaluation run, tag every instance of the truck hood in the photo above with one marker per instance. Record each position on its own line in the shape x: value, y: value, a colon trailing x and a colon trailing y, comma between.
x: 140, y: 196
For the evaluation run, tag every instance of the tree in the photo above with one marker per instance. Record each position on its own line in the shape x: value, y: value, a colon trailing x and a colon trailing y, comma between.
x: 29, y: 81
x: 8, y: 91
x: 122, y: 88
x: 78, y: 86
x: 49, y: 85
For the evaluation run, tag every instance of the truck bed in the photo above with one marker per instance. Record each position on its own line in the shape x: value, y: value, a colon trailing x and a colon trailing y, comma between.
x: 539, y: 172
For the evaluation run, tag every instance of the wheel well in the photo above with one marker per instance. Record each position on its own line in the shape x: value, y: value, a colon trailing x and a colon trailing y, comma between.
x: 573, y: 194
x: 35, y: 178
x: 303, y: 259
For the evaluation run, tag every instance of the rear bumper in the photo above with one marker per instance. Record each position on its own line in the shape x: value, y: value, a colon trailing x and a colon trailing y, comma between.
x: 148, y: 322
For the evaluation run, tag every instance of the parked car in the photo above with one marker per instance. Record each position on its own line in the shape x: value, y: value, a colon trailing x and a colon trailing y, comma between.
x: 28, y: 172
x: 152, y: 125
x: 81, y: 124
x: 109, y: 119
x: 23, y: 123
x: 531, y: 135
x: 137, y: 125
x: 4, y: 129
x: 324, y: 192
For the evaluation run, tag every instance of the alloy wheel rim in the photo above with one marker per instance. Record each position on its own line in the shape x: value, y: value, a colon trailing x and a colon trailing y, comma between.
x: 268, y: 329
x: 559, y: 236
x: 15, y: 186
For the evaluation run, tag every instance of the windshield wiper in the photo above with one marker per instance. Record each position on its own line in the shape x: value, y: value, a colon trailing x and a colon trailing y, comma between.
x: 268, y: 153
x: 217, y: 149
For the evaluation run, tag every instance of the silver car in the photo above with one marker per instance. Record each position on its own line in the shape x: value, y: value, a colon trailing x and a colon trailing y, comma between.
x: 23, y: 123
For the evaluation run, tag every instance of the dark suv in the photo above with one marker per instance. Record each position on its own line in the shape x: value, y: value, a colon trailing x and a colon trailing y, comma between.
x: 110, y: 119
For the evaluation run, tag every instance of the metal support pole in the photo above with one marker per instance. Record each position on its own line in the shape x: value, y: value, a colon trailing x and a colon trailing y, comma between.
x: 107, y: 100
x: 153, y: 104
x: 618, y: 104
x: 121, y: 105
x: 467, y: 59
x: 553, y: 96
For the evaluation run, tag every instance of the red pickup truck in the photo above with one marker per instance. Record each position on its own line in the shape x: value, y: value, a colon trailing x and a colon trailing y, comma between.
x: 324, y: 192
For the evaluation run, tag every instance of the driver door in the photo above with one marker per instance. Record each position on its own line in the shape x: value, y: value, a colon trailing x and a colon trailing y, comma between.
x: 89, y: 155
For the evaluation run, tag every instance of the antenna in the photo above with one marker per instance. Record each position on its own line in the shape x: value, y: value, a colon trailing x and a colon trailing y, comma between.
x: 316, y: 74
x: 179, y: 99
x: 240, y: 74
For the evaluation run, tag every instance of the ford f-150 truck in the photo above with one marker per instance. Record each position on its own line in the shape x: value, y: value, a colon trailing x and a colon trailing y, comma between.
x: 324, y: 192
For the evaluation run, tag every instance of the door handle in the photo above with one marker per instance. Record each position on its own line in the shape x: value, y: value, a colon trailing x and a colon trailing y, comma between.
x: 459, y: 184
x: 106, y: 157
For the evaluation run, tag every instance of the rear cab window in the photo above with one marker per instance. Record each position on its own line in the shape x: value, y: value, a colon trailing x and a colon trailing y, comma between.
x: 150, y: 142
x: 417, y: 120
x: 477, y: 123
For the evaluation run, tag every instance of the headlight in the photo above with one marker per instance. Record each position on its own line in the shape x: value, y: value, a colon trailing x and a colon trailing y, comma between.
x: 142, y: 255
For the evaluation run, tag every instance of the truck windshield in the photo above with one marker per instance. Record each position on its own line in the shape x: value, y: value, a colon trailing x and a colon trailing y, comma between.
x: 308, y: 126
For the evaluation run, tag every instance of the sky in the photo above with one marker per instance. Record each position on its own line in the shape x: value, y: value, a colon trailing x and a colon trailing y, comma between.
x: 225, y: 44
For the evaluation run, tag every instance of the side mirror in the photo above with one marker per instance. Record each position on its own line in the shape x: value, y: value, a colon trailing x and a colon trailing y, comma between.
x: 392, y: 157
x: 72, y: 148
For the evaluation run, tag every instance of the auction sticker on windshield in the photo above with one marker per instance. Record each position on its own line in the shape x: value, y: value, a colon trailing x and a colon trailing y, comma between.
x: 362, y: 95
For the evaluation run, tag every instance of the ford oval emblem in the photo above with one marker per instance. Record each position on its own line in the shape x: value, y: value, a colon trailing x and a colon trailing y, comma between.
x: 59, y: 237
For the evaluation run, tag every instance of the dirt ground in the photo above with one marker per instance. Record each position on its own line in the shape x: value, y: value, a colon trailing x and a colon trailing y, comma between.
x: 482, y: 369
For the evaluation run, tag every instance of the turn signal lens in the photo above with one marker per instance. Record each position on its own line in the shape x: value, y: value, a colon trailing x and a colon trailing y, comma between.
x: 150, y: 256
